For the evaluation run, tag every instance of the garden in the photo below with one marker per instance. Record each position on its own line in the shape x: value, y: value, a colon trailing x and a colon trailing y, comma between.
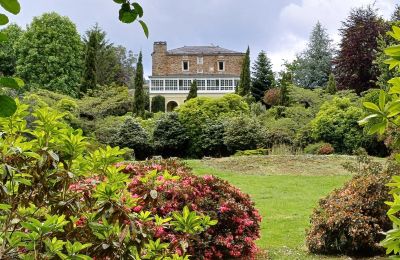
x: 300, y: 164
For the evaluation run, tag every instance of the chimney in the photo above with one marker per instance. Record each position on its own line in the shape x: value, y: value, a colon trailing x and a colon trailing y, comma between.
x: 160, y: 47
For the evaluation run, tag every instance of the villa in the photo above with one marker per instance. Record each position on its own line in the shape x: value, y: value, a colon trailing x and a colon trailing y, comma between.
x: 215, y: 69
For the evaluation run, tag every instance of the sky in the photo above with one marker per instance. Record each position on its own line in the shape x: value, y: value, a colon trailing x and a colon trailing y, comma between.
x: 279, y: 27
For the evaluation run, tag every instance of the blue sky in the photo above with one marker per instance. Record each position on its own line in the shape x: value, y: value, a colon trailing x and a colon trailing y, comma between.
x: 280, y: 27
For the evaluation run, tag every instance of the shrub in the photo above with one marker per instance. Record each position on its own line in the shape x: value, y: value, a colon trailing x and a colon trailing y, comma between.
x: 61, y: 200
x: 351, y: 220
x: 158, y: 104
x: 130, y: 134
x: 212, y: 139
x: 238, y: 221
x: 337, y: 123
x: 259, y: 151
x: 280, y: 131
x: 106, y: 129
x: 319, y: 148
x: 196, y: 112
x: 272, y: 97
x: 169, y: 136
x: 242, y: 133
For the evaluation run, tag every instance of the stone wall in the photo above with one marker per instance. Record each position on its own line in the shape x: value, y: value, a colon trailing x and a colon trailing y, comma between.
x: 164, y: 64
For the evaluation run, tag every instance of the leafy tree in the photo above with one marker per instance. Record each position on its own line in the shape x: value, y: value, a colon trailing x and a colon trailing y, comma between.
x: 8, y: 58
x: 263, y: 76
x: 192, y: 91
x: 284, y: 82
x: 94, y: 42
x: 354, y: 68
x: 331, y: 86
x: 396, y: 14
x: 139, y: 98
x: 315, y: 64
x: 49, y: 54
x: 125, y: 72
x: 158, y: 104
x: 132, y: 135
x: 169, y: 136
x: 244, y: 87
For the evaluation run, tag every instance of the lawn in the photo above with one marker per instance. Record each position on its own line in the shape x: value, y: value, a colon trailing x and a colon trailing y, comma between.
x: 285, y: 190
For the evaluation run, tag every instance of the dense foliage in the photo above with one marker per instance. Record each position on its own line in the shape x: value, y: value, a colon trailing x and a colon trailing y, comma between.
x: 158, y: 104
x: 238, y: 221
x: 351, y: 220
x: 263, y: 77
x: 244, y: 87
x: 61, y: 200
x: 8, y: 56
x: 314, y: 65
x: 139, y: 97
x: 354, y: 68
x: 58, y: 65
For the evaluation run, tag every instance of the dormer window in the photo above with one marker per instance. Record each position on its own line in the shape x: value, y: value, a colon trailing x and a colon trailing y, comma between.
x: 221, y: 66
x: 185, y: 65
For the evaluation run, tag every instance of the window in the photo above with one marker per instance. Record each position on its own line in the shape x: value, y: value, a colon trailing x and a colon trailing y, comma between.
x: 221, y: 66
x: 171, y: 84
x: 212, y: 84
x: 201, y: 84
x: 185, y: 65
x: 157, y: 84
x: 227, y: 84
x: 184, y: 84
x: 200, y: 71
x: 199, y: 60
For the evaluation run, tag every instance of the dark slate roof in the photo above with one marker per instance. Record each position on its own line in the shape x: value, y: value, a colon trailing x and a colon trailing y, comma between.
x: 206, y: 50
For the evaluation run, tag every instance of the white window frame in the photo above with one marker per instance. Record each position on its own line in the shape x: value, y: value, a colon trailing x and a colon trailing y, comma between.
x: 200, y: 71
x: 223, y: 64
x: 183, y: 66
x: 200, y: 60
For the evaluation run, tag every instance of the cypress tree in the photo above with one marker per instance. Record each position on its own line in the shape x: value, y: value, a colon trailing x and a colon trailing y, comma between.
x: 263, y: 76
x: 284, y: 82
x: 331, y: 86
x: 245, y: 80
x: 192, y: 91
x: 139, y: 98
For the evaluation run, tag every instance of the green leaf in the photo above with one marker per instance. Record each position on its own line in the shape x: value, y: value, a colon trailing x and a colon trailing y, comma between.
x: 10, y: 82
x: 371, y: 106
x: 120, y: 1
x: 3, y: 19
x: 368, y: 118
x: 145, y: 28
x: 138, y: 9
x: 378, y: 128
x: 11, y: 6
x: 382, y: 100
x: 7, y: 106
x: 3, y: 37
x: 5, y: 207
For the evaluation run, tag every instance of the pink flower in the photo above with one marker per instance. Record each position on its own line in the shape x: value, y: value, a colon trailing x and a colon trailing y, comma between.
x: 137, y: 209
x: 224, y: 208
x: 208, y: 177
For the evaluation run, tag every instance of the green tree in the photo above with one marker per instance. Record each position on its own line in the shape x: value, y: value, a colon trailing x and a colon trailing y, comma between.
x: 284, y: 82
x: 94, y: 42
x: 158, y: 104
x: 354, y: 68
x: 139, y: 98
x: 315, y: 64
x: 50, y: 54
x: 263, y: 76
x: 8, y: 57
x: 331, y: 86
x: 244, y: 87
x: 192, y: 91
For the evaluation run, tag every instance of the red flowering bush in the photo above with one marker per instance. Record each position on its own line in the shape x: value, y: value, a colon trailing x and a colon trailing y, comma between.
x: 326, y: 149
x: 170, y: 186
x: 272, y: 96
x: 352, y: 220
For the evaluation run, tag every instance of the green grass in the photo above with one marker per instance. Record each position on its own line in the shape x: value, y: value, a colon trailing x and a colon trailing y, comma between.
x: 285, y: 190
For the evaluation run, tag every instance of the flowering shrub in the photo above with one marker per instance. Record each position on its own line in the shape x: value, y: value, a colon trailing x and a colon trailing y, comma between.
x: 272, y: 97
x: 351, y: 220
x: 319, y: 148
x: 170, y: 186
x: 61, y: 200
